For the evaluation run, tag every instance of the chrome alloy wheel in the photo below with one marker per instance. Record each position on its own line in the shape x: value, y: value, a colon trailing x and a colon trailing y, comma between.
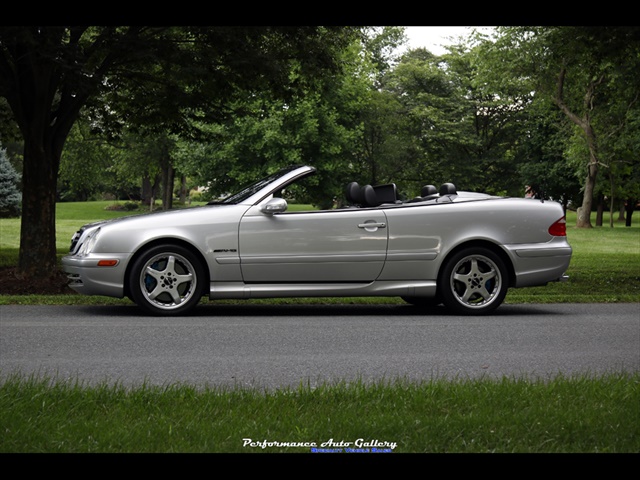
x: 476, y: 281
x: 167, y: 280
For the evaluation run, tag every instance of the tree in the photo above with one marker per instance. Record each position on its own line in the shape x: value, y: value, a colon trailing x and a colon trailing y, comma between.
x: 86, y: 166
x: 465, y: 128
x: 322, y: 127
x: 541, y: 154
x: 584, y: 70
x: 154, y: 77
x: 10, y: 196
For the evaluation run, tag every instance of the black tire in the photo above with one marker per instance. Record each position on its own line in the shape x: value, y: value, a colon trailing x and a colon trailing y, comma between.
x: 474, y: 281
x: 166, y: 280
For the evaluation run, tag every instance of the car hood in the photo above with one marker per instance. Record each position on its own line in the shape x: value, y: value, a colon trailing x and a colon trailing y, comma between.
x: 161, y: 216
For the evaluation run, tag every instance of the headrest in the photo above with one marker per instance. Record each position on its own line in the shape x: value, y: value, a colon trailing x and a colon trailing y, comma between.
x: 428, y: 190
x: 370, y: 197
x: 353, y: 192
x: 447, y: 189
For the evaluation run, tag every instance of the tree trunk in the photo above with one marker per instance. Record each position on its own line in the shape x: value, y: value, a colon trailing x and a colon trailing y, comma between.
x: 37, y: 256
x: 150, y: 190
x: 167, y: 187
x: 629, y: 207
x: 147, y: 190
x: 611, y: 211
x: 183, y: 189
x: 621, y: 211
x: 584, y: 220
x: 584, y: 216
x: 599, y: 211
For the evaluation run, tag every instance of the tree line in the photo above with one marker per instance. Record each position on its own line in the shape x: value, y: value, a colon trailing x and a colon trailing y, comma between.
x: 148, y: 111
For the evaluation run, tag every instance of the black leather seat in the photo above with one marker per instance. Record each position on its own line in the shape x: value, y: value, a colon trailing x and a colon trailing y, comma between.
x: 387, y: 193
x: 427, y: 192
x: 370, y: 196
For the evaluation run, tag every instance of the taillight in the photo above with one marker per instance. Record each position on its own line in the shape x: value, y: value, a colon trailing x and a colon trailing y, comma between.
x: 559, y: 228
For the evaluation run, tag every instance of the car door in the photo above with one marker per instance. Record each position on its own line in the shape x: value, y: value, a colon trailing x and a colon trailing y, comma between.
x: 345, y: 245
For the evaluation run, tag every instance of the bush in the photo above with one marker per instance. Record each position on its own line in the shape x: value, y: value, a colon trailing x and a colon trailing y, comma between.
x: 127, y: 206
x: 195, y: 196
x: 10, y: 196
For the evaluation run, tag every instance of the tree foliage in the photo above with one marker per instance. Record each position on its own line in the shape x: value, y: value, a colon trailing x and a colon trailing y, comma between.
x: 146, y: 79
x: 463, y: 132
x: 584, y: 71
x: 321, y: 127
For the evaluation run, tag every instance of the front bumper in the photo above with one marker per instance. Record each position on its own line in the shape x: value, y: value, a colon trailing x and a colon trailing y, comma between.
x: 87, y: 277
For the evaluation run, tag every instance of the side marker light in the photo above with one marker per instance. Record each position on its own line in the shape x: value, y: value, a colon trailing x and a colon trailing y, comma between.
x: 107, y: 263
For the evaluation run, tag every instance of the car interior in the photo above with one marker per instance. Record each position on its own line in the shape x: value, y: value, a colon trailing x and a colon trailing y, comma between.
x: 373, y: 196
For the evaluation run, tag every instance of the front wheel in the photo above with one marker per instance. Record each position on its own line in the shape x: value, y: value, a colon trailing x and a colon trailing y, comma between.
x: 166, y: 280
x: 474, y: 281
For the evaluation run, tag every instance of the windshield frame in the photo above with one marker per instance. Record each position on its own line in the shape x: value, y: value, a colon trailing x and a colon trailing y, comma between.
x: 256, y: 191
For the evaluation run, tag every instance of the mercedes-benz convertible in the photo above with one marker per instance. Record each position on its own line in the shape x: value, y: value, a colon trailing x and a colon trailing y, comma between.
x: 443, y: 246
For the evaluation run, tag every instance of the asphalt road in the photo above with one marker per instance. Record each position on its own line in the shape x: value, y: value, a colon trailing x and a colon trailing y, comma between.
x: 279, y: 346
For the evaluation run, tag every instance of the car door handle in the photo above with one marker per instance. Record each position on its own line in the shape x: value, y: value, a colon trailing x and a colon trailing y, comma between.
x: 372, y: 225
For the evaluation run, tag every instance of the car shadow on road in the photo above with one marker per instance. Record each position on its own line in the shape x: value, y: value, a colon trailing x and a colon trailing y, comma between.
x: 316, y: 310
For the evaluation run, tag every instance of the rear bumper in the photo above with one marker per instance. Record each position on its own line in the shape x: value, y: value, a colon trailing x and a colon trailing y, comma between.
x: 539, y: 264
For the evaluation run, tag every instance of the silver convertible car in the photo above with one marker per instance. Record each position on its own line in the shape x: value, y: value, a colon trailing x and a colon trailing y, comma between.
x: 462, y: 249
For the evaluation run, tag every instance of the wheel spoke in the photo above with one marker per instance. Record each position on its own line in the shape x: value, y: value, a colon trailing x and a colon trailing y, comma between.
x: 180, y: 279
x: 468, y: 292
x: 159, y: 289
x: 483, y: 292
x: 171, y: 265
x: 177, y: 299
x: 153, y: 273
x: 461, y: 277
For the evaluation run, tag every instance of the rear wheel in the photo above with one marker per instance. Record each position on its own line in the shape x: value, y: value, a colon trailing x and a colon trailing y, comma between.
x: 474, y: 281
x: 166, y: 280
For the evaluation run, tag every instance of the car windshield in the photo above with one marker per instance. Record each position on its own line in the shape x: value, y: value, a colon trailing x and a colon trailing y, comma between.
x: 251, y: 189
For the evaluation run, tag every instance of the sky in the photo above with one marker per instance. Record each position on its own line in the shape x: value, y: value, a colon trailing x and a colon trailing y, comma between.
x: 432, y: 38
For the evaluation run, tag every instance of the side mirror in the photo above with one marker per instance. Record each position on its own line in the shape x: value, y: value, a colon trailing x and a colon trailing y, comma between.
x: 275, y: 205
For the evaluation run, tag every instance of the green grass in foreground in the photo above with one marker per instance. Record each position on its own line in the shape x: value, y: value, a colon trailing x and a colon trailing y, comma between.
x: 561, y: 415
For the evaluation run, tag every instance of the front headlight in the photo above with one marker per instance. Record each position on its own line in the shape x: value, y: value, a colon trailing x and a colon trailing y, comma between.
x: 88, y: 243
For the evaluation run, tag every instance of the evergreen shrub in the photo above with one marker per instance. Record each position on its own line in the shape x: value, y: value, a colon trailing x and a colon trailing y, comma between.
x: 10, y: 195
